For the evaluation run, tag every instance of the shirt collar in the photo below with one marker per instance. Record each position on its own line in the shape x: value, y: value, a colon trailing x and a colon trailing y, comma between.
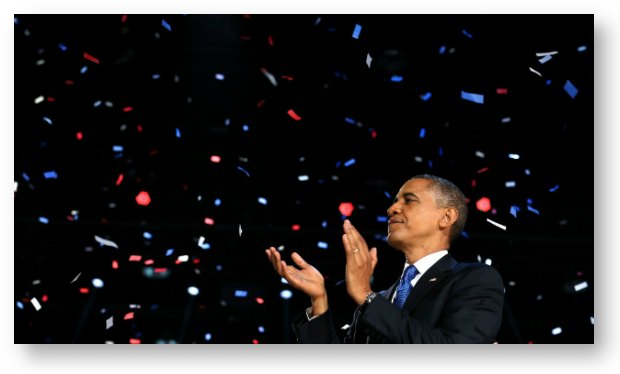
x: 427, y: 261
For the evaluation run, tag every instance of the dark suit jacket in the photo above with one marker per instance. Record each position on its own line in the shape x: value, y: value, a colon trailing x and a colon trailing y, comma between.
x: 451, y: 303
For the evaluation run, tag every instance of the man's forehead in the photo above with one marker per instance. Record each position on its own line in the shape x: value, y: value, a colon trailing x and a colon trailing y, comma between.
x: 415, y: 186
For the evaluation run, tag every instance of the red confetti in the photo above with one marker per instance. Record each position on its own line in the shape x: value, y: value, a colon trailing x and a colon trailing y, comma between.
x: 134, y: 341
x: 135, y: 258
x: 44, y: 298
x: 209, y: 221
x: 287, y: 77
x: 119, y: 180
x: 473, y: 183
x: 79, y: 136
x: 143, y: 198
x: 294, y: 115
x: 502, y: 91
x: 373, y: 134
x: 149, y: 262
x: 254, y: 341
x: 196, y: 261
x: 91, y: 58
x: 215, y: 159
x: 139, y: 127
x: 84, y: 290
x: 160, y: 270
x: 260, y: 300
x: 50, y: 99
x: 483, y: 170
x: 114, y: 264
x: 484, y: 204
x: 346, y: 209
x: 260, y: 103
x: 69, y: 82
x: 128, y: 316
x: 127, y: 109
x: 270, y: 39
x: 124, y: 18
x: 296, y: 227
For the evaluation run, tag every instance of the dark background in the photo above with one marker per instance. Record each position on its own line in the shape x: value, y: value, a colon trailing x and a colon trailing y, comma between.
x: 348, y: 110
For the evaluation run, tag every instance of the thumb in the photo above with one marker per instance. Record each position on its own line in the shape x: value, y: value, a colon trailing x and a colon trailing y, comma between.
x: 373, y: 256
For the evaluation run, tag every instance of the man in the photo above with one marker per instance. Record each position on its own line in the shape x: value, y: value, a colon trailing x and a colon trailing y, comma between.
x: 438, y: 300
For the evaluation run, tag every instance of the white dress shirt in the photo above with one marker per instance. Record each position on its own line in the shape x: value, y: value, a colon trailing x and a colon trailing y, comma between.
x: 422, y: 265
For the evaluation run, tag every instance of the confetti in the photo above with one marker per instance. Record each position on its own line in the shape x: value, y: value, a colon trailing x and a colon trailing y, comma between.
x: 356, y: 31
x: 396, y: 78
x: 44, y: 220
x: 303, y: 178
x: 488, y: 261
x: 535, y: 72
x: 581, y: 286
x: 346, y: 209
x: 582, y: 48
x: 105, y: 242
x: 483, y: 204
x: 570, y: 89
x: 467, y: 34
x: 135, y: 258
x: 50, y: 175
x: 194, y: 291
x: 90, y: 58
x: 240, y: 231
x: 269, y: 76
x: 35, y: 303
x: 510, y: 184
x: 243, y: 170
x: 241, y: 293
x: 293, y: 115
x: 128, y: 316
x: 183, y: 258
x: 496, y: 224
x: 514, y: 156
x: 286, y: 294
x: 426, y: 96
x: 322, y: 245
x: 39, y: 99
x: 554, y: 188
x: 97, y: 283
x: 209, y: 221
x: 368, y: 60
x: 109, y: 323
x: 556, y: 331
x: 545, y: 59
x: 349, y: 162
x: 76, y: 277
x: 473, y: 97
x: 219, y: 76
x: 531, y: 209
x: 479, y: 154
x: 514, y: 210
x: 166, y: 25
x: 143, y: 198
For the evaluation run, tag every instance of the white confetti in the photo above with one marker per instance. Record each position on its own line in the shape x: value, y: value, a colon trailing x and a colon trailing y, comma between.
x: 592, y: 320
x: 510, y: 184
x: 479, y: 154
x: 345, y: 326
x: 556, y: 331
x: 39, y: 99
x: 76, y: 277
x: 201, y: 241
x: 541, y: 54
x: 240, y: 231
x: 535, y: 72
x: 103, y: 241
x: 15, y: 186
x: 496, y: 224
x: 581, y: 286
x: 35, y: 303
x: 488, y: 261
x: 368, y: 60
x: 109, y: 323
x: 269, y: 76
x: 183, y: 258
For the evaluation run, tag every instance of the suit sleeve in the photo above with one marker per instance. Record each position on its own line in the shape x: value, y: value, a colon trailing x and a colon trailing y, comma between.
x: 469, y: 312
x: 318, y: 331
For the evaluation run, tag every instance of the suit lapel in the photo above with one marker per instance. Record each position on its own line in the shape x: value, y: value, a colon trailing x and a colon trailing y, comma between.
x: 433, y: 276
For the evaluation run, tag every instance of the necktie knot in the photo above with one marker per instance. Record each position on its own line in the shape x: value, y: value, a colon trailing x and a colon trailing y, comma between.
x: 404, y: 287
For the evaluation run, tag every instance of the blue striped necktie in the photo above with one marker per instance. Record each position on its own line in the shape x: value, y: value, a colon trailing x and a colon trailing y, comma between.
x: 404, y: 287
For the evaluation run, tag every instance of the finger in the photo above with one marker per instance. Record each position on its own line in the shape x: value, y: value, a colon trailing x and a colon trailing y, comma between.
x: 275, y: 260
x: 356, y: 238
x: 290, y: 274
x: 299, y: 261
x: 373, y: 256
x: 348, y: 247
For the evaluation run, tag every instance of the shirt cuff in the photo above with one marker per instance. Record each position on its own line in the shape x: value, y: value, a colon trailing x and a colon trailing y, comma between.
x: 308, y: 311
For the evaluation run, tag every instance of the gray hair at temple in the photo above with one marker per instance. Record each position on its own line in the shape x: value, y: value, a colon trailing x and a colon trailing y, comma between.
x: 447, y: 194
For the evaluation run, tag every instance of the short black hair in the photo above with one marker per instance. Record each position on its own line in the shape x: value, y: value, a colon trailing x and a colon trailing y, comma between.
x: 447, y: 194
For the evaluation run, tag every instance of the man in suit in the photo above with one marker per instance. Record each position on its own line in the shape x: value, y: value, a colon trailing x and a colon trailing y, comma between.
x: 438, y: 300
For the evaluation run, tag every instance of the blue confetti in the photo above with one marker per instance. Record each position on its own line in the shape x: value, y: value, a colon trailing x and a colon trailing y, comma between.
x: 217, y: 202
x: 97, y: 103
x: 26, y: 177
x: 530, y: 201
x: 570, y: 89
x: 356, y: 31
x: 318, y: 20
x: 50, y: 175
x: 396, y: 78
x: 473, y: 97
x: 430, y: 164
x: 155, y: 76
x: 555, y: 188
x: 262, y: 200
x: 147, y: 235
x: 514, y: 210
x: 527, y: 172
x: 442, y: 49
x: 208, y: 336
x: 246, y: 128
x: 349, y: 163
x: 303, y: 178
x: 241, y: 293
x: 243, y: 170
x: 205, y: 246
x: 286, y: 294
x: 84, y: 69
x: 548, y: 82
x: 322, y: 245
x: 513, y: 156
x: 219, y: 77
x: 117, y: 148
x: 166, y: 25
x: 545, y: 59
x: 465, y: 234
x: 387, y: 194
x: 531, y: 209
x: 583, y: 48
x: 46, y: 119
x: 440, y: 151
x: 261, y: 329
x: 338, y: 163
x: 20, y: 305
x: 44, y: 220
x: 467, y: 34
x: 422, y: 132
x: 170, y: 251
x: 62, y: 47
x: 324, y: 224
x: 426, y: 96
x: 382, y: 219
x: 178, y: 132
x: 349, y: 120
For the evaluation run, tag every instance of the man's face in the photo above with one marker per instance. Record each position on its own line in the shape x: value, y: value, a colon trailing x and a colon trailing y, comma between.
x: 413, y: 216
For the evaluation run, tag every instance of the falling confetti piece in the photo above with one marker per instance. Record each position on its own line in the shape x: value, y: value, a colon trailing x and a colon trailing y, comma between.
x: 294, y: 115
x: 240, y: 231
x: 39, y: 99
x: 473, y: 97
x: 545, y: 59
x: 76, y: 277
x: 535, y: 72
x: 368, y: 60
x: 581, y: 286
x: 91, y: 58
x: 483, y: 204
x: 556, y: 331
x: 467, y: 34
x: 166, y: 25
x: 243, y: 170
x: 570, y: 89
x: 322, y: 245
x: 109, y: 323
x: 356, y: 31
x: 103, y: 241
x: 143, y: 198
x: 496, y: 224
x: 269, y: 76
x: 128, y: 316
x: 346, y: 209
x: 396, y: 78
x: 50, y: 175
x: 513, y: 210
x: 303, y: 178
x: 35, y: 304
x: 349, y: 162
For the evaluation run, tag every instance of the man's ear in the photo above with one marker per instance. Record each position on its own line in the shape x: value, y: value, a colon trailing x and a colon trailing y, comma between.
x: 448, y: 218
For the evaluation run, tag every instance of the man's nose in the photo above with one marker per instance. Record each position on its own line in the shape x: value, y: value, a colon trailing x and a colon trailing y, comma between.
x: 395, y: 208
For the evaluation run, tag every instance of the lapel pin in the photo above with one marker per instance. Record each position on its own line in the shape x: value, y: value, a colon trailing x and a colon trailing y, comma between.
x: 432, y: 279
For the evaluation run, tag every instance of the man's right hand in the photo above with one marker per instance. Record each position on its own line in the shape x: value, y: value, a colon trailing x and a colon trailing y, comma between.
x: 306, y: 279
